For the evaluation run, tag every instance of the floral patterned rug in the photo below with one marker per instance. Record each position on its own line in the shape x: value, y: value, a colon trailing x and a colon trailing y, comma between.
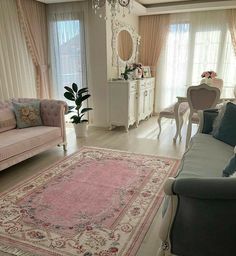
x: 96, y: 202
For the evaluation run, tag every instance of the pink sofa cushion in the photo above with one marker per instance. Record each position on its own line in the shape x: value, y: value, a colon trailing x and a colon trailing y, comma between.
x: 7, y: 119
x: 17, y: 141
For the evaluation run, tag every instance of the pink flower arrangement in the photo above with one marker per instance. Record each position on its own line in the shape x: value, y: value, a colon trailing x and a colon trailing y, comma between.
x: 209, y: 74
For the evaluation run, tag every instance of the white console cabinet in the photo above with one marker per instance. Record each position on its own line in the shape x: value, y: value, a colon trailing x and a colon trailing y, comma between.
x: 130, y: 101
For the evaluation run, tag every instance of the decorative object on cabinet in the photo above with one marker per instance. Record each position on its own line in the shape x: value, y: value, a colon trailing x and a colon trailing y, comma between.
x: 135, y: 68
x: 146, y: 71
x: 123, y: 52
x: 130, y: 101
x: 78, y: 96
x: 127, y: 71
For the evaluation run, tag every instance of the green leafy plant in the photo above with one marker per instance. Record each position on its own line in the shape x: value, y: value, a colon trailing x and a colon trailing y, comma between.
x: 128, y: 69
x: 77, y: 96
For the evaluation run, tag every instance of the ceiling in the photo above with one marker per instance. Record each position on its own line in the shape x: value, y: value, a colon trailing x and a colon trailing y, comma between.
x: 158, y: 1
x: 149, y: 7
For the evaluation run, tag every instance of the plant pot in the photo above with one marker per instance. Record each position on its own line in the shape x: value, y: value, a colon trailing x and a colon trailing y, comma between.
x: 81, y: 129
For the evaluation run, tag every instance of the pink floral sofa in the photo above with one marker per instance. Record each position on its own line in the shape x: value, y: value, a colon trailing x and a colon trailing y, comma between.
x: 17, y: 145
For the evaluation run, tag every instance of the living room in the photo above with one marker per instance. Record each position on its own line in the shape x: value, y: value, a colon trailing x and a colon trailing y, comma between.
x: 96, y: 115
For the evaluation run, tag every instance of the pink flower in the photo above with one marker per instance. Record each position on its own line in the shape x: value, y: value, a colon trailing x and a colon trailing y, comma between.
x: 213, y: 74
x: 209, y: 74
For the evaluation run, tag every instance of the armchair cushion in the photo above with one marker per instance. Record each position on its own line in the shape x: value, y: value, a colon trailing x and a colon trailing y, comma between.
x: 27, y: 114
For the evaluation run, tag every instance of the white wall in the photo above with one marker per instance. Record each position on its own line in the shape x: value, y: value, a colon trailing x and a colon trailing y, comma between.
x: 100, y: 68
x: 97, y: 68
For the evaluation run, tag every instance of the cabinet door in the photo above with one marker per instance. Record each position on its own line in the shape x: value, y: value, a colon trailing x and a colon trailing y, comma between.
x: 132, y: 107
x: 141, y: 103
x: 146, y: 103
x: 150, y: 100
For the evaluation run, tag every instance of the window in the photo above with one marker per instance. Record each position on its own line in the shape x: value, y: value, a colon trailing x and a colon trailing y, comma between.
x: 67, y: 52
x: 196, y: 42
x: 206, y: 53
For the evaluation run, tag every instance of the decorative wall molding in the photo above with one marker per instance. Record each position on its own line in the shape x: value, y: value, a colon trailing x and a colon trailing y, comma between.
x: 117, y: 27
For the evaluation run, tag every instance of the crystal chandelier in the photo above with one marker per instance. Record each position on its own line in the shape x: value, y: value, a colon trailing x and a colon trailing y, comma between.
x: 115, y: 6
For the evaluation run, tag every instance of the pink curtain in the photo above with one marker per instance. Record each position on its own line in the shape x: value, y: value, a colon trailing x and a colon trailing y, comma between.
x: 153, y: 30
x: 231, y: 16
x: 32, y: 16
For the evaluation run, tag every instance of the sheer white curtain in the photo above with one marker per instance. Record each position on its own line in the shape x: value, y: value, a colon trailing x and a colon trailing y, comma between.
x: 67, y: 47
x: 196, y: 42
x: 17, y: 74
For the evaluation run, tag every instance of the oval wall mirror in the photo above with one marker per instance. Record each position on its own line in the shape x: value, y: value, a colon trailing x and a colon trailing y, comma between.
x: 124, y: 45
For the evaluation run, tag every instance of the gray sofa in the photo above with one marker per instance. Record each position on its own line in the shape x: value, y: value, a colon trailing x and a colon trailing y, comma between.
x: 199, y: 212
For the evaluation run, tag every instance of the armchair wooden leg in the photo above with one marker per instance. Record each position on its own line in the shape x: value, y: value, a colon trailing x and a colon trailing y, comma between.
x: 180, y: 127
x: 189, y: 131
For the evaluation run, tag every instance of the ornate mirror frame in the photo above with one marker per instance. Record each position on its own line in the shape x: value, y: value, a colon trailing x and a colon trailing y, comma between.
x: 117, y: 27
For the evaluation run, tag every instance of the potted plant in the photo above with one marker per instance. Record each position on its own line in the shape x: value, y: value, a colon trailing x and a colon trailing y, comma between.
x: 78, y: 96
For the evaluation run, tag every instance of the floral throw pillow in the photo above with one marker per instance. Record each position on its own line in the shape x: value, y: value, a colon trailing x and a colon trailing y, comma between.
x: 27, y: 114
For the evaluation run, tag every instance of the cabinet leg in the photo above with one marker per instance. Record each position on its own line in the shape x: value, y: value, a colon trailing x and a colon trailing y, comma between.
x: 111, y: 127
x: 127, y: 128
x: 65, y: 146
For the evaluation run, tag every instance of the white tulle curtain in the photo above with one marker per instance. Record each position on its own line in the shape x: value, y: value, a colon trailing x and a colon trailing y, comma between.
x: 17, y: 74
x: 67, y: 46
x: 196, y: 42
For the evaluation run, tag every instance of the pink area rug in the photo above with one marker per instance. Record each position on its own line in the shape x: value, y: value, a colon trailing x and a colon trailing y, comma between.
x: 96, y: 202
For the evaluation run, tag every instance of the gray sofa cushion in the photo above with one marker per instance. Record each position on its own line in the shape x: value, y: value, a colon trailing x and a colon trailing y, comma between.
x: 227, y: 127
x: 230, y: 168
x: 209, y: 117
x: 205, y: 161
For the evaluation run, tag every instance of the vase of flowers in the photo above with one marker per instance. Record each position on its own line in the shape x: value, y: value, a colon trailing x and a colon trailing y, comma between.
x: 133, y: 70
x: 207, y: 77
x: 138, y: 70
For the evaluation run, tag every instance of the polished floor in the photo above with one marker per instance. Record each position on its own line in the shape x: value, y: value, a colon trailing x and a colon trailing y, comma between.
x: 139, y: 140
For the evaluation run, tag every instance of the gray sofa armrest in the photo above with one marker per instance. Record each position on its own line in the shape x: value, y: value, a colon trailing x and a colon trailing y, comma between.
x: 207, y: 118
x: 204, y: 223
x: 205, y: 188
